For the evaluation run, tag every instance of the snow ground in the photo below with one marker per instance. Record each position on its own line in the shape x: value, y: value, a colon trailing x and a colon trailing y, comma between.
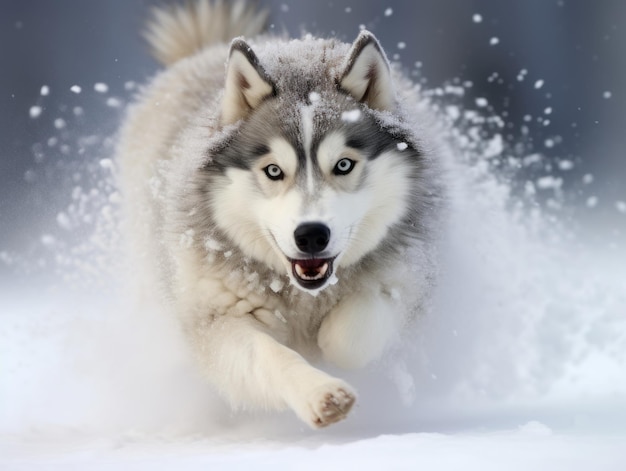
x: 521, y: 449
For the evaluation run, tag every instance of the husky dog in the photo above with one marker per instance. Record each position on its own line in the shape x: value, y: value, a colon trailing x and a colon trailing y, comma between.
x: 283, y: 197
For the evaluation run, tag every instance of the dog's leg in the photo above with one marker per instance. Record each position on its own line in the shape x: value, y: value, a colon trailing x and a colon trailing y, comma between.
x: 358, y: 329
x: 250, y: 367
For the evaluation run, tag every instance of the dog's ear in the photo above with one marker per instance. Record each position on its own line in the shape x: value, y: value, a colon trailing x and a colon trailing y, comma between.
x: 367, y: 75
x: 247, y: 84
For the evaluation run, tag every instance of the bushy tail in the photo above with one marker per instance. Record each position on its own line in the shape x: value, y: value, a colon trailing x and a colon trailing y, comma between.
x: 178, y: 31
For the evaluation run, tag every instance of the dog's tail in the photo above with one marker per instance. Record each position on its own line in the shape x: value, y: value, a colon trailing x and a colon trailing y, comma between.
x: 179, y: 31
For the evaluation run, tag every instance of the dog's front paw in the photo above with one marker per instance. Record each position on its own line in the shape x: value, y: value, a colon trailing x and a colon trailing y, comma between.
x: 330, y: 403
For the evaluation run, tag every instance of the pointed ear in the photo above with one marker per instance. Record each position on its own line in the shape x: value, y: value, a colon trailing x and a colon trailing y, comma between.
x: 247, y: 84
x: 366, y: 75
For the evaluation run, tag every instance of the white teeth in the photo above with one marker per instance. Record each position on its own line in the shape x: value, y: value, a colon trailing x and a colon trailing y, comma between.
x: 321, y: 273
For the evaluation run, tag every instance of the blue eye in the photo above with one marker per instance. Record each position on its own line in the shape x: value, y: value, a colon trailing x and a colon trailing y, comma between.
x: 274, y: 172
x: 344, y: 166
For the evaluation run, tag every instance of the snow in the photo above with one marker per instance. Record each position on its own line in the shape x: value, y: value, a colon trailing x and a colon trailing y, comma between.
x: 101, y: 87
x: 481, y: 102
x: 477, y: 18
x: 351, y: 116
x: 35, y: 111
x: 512, y: 450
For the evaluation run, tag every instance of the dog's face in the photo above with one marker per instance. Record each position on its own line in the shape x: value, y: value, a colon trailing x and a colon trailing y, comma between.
x: 309, y: 185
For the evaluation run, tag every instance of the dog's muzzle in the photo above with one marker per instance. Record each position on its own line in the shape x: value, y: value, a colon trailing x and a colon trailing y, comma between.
x: 313, y: 271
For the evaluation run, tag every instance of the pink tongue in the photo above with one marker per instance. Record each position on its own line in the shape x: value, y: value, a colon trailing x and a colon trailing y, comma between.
x: 311, y: 269
x: 311, y: 264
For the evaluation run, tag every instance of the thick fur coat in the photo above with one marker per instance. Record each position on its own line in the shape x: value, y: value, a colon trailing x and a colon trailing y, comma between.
x: 283, y: 197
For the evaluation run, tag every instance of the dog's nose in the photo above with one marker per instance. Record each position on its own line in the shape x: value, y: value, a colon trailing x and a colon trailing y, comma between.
x: 312, y: 237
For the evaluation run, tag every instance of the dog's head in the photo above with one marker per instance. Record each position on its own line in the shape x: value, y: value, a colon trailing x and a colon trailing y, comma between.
x: 310, y: 178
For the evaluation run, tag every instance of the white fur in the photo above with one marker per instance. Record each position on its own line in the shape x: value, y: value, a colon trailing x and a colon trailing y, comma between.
x: 180, y: 31
x: 369, y: 78
x: 239, y: 100
x: 359, y: 329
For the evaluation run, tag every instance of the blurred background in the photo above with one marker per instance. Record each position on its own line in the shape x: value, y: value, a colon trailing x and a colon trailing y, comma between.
x: 554, y: 70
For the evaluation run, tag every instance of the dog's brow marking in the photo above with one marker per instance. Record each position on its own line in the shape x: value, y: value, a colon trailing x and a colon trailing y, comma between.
x: 307, y: 139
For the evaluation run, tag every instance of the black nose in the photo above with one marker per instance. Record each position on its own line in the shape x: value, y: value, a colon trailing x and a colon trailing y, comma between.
x: 312, y: 237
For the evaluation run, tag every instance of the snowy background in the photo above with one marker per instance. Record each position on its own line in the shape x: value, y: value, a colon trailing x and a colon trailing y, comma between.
x: 523, y: 361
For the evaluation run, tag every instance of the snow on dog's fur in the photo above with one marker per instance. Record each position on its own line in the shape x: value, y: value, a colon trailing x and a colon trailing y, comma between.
x: 285, y: 205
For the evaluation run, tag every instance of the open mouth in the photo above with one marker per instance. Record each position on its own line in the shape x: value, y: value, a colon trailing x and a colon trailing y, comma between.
x: 312, y: 273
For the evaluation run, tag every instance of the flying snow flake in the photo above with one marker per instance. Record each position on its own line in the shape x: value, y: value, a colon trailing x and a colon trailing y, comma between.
x: 538, y: 84
x: 64, y: 222
x: 566, y: 165
x: 48, y: 240
x: 592, y: 202
x: 388, y: 12
x: 621, y: 206
x: 348, y: 10
x: 45, y: 90
x: 606, y: 95
x: 113, y: 102
x: 76, y: 89
x: 351, y: 116
x: 481, y: 102
x: 106, y: 163
x: 494, y: 147
x: 59, y: 123
x: 35, y: 111
x: 548, y: 110
x: 314, y: 97
x: 522, y: 75
x: 549, y: 143
x: 549, y: 183
x: 212, y: 245
x: 101, y: 87
x: 284, y: 8
x: 276, y: 285
x: 477, y: 18
x: 494, y: 41
x: 588, y: 179
x: 401, y: 45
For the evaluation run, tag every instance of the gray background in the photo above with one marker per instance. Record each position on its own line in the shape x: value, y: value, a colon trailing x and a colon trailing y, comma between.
x: 575, y: 46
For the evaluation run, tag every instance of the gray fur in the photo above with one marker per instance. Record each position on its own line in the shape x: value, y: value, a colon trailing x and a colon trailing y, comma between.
x: 189, y: 162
